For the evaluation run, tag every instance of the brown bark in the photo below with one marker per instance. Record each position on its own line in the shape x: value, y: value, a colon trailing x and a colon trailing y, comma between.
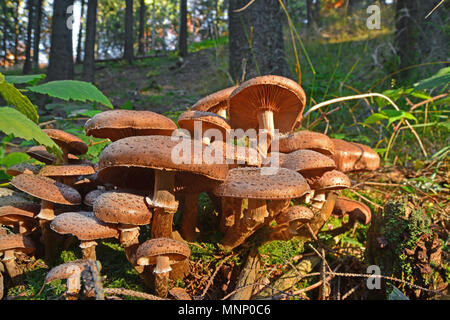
x: 80, y: 35
x: 182, y: 41
x: 129, y: 39
x: 37, y: 34
x: 142, y: 12
x: 89, y: 45
x: 27, y: 67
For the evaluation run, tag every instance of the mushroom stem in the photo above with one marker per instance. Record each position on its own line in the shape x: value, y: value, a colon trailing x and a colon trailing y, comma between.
x: 164, y: 203
x: 73, y: 286
x: 129, y: 238
x: 47, y: 211
x: 222, y: 113
x: 161, y: 272
x: 318, y: 200
x: 45, y: 216
x: 231, y: 209
x: 190, y: 216
x: 206, y: 140
x: 88, y: 250
x: 9, y: 260
x: 266, y: 122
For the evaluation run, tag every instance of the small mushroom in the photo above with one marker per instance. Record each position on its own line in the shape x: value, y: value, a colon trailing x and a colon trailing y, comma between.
x: 353, y: 157
x: 330, y: 180
x: 23, y: 167
x: 305, y: 139
x: 20, y: 216
x: 67, y: 142
x: 66, y: 174
x: 294, y: 217
x: 119, y: 124
x: 86, y: 227
x: 41, y: 154
x: 162, y: 252
x: 9, y: 244
x: 357, y: 211
x: 215, y: 102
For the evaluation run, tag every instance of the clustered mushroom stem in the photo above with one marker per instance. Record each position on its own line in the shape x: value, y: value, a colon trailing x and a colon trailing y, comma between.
x: 318, y: 200
x: 73, y: 286
x: 266, y: 122
x: 88, y: 250
x: 129, y: 238
x: 161, y: 272
x: 230, y: 208
x: 166, y: 205
x: 257, y: 210
x: 190, y: 216
x: 9, y: 260
x: 45, y: 216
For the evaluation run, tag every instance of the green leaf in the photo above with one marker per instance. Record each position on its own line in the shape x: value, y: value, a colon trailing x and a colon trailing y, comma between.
x: 374, y: 118
x: 31, y: 79
x: 14, y: 122
x: 394, y: 115
x: 13, y: 97
x: 442, y: 77
x: 72, y: 90
x: 408, y: 189
x: 13, y: 158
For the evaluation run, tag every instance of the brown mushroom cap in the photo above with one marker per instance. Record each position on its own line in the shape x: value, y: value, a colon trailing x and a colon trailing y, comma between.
x: 236, y: 155
x: 251, y: 183
x: 23, y: 167
x: 176, y: 250
x: 352, y: 156
x: 284, y: 97
x: 71, y: 170
x: 331, y: 180
x: 65, y: 270
x: 16, y: 242
x: 90, y: 198
x: 355, y: 209
x: 215, y: 101
x: 119, y: 124
x: 83, y: 225
x: 207, y: 120
x: 307, y: 162
x: 25, y: 212
x: 46, y: 189
x: 41, y: 154
x: 306, y: 140
x: 122, y: 207
x: 67, y: 141
x: 152, y: 152
x: 299, y: 213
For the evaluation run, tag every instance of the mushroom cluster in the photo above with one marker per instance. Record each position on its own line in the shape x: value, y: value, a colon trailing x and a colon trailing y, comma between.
x: 284, y: 180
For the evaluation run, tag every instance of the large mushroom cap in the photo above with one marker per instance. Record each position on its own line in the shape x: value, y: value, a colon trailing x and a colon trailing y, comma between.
x: 214, y: 102
x: 72, y: 170
x: 23, y: 167
x: 295, y: 213
x: 148, y: 251
x: 46, y: 189
x: 90, y: 198
x: 352, y: 156
x: 307, y: 162
x: 122, y: 207
x: 67, y: 141
x: 284, y: 97
x: 65, y: 270
x: 355, y: 209
x: 16, y: 242
x: 331, y: 180
x: 83, y: 225
x: 207, y: 120
x: 119, y: 124
x: 252, y: 183
x: 236, y: 155
x: 305, y: 139
x: 156, y: 152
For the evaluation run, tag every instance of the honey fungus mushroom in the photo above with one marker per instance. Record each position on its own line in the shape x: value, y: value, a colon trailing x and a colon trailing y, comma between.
x: 157, y: 155
x: 257, y: 187
x: 86, y: 228
x: 67, y: 142
x: 9, y: 244
x: 333, y: 180
x: 163, y: 253
x: 354, y: 157
x: 306, y: 139
x: 215, y: 102
x: 289, y: 220
x: 66, y: 174
x: 50, y: 192
x: 119, y: 124
x: 23, y: 167
x: 20, y: 216
x: 357, y: 211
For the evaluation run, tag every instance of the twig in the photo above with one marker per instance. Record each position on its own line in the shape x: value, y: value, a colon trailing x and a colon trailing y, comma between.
x: 131, y: 293
x: 349, y: 292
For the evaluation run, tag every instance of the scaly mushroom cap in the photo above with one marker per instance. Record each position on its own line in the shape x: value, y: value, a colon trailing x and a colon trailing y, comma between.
x: 215, y: 101
x: 25, y: 212
x: 65, y: 270
x: 299, y: 213
x: 352, y: 156
x: 252, y: 183
x: 355, y: 209
x: 122, y: 207
x: 307, y: 162
x: 16, y: 242
x: 284, y: 97
x: 306, y: 140
x: 41, y: 154
x: 148, y: 251
x: 83, y: 225
x: 71, y: 170
x: 236, y: 155
x: 119, y: 124
x: 331, y: 180
x: 46, y: 189
x: 90, y: 198
x: 208, y: 120
x: 23, y: 167
x: 153, y: 152
x: 189, y: 183
x: 67, y: 141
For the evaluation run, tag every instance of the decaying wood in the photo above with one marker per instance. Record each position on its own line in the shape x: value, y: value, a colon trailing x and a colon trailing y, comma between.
x: 248, y: 276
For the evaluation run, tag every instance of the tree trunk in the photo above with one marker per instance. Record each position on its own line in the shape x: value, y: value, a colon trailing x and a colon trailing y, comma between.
x: 17, y: 32
x: 182, y: 41
x: 37, y: 34
x: 80, y: 34
x: 142, y: 13
x: 316, y: 12
x: 27, y: 64
x: 153, y: 25
x: 256, y: 36
x: 89, y: 44
x: 5, y: 32
x: 60, y: 65
x: 309, y: 13
x: 128, y: 48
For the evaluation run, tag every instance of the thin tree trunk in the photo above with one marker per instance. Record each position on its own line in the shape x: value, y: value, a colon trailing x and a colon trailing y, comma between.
x: 89, y: 45
x: 153, y: 24
x: 27, y: 67
x: 316, y: 12
x: 5, y: 32
x: 60, y: 65
x: 17, y: 32
x: 309, y: 13
x: 80, y: 34
x: 37, y: 34
x: 142, y: 13
x: 182, y: 40
x: 128, y: 47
